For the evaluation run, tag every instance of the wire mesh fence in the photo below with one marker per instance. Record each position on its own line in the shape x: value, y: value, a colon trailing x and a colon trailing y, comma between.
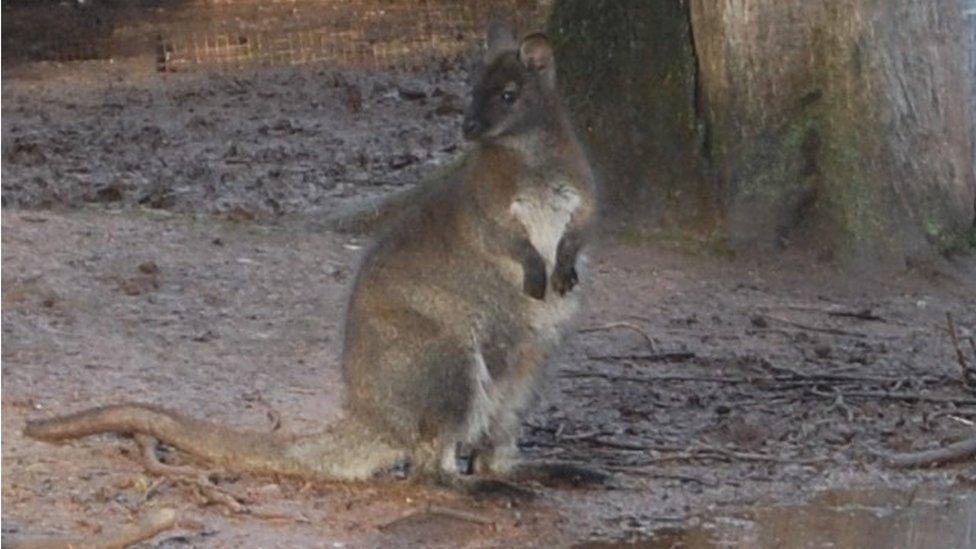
x: 183, y: 34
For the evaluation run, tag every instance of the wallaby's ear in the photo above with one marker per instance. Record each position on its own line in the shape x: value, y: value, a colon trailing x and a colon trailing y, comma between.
x: 501, y: 39
x: 535, y: 53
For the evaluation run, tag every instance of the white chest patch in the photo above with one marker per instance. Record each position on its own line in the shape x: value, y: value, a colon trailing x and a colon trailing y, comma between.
x: 545, y: 213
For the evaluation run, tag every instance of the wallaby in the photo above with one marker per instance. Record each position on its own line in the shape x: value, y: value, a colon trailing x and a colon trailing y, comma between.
x: 454, y: 310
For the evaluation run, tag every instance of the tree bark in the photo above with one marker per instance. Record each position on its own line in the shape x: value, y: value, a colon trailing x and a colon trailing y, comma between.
x: 844, y: 124
x: 627, y: 72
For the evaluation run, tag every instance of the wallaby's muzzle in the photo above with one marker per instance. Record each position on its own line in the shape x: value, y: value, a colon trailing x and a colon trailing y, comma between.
x: 471, y: 128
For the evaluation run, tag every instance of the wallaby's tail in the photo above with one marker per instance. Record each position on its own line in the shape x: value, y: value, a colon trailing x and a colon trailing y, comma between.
x: 347, y: 450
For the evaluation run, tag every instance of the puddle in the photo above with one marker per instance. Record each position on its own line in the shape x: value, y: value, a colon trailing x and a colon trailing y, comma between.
x: 837, y: 520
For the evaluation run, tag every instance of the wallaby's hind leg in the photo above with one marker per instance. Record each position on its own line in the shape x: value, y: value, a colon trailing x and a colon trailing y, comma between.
x: 498, y: 455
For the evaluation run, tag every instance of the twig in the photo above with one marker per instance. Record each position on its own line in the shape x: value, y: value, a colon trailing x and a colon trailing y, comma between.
x: 968, y: 372
x: 953, y: 452
x: 750, y: 456
x: 625, y: 325
x: 838, y: 404
x: 273, y: 415
x: 720, y: 454
x: 431, y: 509
x: 643, y: 472
x: 798, y: 375
x: 914, y: 397
x: 795, y: 378
x: 215, y: 495
x: 150, y: 525
x: 655, y: 378
x: 200, y: 479
x: 620, y: 445
x: 460, y: 515
x: 831, y: 331
x: 860, y: 314
x: 674, y: 356
x: 147, y: 447
x: 836, y: 310
x: 579, y: 436
x: 700, y: 452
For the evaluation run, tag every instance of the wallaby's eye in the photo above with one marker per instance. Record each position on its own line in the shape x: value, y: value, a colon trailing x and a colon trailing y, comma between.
x: 508, y: 97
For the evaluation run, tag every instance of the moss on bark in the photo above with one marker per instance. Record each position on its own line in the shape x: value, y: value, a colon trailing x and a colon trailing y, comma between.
x: 627, y: 70
x: 843, y: 125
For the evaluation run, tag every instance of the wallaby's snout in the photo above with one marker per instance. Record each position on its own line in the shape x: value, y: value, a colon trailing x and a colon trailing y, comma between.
x: 471, y: 128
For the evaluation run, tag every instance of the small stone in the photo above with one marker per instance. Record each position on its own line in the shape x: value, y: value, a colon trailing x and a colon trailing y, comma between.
x: 411, y: 92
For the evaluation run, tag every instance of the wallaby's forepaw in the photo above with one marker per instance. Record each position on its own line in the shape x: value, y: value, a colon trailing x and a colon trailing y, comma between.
x: 561, y: 475
x: 534, y: 283
x: 564, y: 278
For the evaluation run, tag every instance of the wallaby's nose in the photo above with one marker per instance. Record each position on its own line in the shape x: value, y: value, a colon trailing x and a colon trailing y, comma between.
x: 471, y: 128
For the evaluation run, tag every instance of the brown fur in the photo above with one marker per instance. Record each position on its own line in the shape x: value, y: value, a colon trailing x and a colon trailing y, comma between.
x: 454, y: 311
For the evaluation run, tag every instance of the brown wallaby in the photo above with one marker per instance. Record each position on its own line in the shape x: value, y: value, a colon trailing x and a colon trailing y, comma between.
x: 454, y: 311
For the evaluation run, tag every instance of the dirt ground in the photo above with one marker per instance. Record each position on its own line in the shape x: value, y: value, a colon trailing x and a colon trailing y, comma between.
x: 150, y: 253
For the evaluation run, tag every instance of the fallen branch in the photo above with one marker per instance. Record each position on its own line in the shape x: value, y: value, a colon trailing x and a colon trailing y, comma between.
x: 860, y: 314
x: 953, y: 452
x: 721, y: 454
x: 914, y: 397
x: 675, y: 356
x: 865, y: 313
x: 838, y: 404
x: 656, y: 378
x: 831, y: 331
x: 794, y: 378
x: 968, y: 372
x: 626, y: 325
x: 673, y: 453
x: 644, y: 472
x: 150, y: 525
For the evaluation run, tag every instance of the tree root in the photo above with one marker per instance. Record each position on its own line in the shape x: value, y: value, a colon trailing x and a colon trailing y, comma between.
x: 954, y: 452
x: 150, y: 525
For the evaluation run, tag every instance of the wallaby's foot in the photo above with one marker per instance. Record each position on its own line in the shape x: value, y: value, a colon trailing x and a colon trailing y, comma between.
x: 564, y: 278
x: 560, y: 475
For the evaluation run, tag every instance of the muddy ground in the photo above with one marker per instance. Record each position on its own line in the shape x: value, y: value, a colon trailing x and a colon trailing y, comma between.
x: 160, y: 243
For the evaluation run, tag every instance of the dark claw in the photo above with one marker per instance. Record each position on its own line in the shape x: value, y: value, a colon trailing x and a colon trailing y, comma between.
x: 534, y: 283
x: 564, y: 279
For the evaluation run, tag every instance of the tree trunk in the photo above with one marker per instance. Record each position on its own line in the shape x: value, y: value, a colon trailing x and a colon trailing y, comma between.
x: 845, y: 124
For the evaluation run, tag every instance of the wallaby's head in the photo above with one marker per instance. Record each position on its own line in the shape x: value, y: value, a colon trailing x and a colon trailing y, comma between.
x: 515, y: 88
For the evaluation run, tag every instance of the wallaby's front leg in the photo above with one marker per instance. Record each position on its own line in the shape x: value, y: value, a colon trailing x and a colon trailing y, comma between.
x: 533, y: 268
x: 564, y: 276
x: 510, y: 238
